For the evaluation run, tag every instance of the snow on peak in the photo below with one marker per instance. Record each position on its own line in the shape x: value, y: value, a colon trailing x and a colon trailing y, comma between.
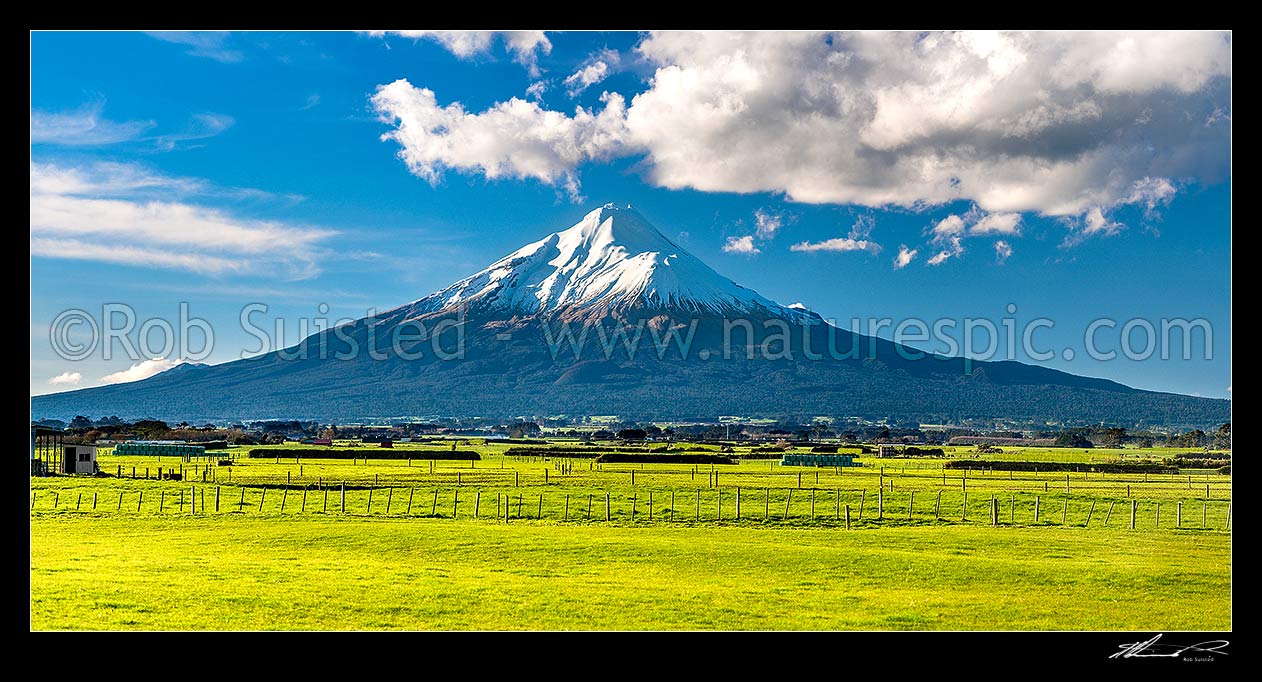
x: 611, y: 260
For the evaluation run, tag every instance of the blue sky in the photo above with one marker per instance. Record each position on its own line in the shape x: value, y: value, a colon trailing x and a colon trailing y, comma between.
x: 1076, y: 176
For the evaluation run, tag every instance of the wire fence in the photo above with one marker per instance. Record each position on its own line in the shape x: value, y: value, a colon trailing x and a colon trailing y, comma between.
x: 839, y: 507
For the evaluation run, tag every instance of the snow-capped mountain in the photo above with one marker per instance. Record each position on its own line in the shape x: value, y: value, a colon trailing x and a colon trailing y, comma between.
x: 611, y: 261
x: 614, y: 271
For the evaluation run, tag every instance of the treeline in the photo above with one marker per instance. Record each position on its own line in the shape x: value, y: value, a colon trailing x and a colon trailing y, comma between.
x: 1105, y: 468
x: 376, y: 453
x: 664, y: 458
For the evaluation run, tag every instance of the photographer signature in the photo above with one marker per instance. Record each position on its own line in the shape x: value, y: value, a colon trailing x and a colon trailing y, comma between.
x: 1153, y: 649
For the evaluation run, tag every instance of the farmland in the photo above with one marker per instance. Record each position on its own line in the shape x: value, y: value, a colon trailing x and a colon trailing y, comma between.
x: 525, y: 542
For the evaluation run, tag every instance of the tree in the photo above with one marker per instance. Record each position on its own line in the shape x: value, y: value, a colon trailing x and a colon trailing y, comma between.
x: 523, y: 430
x: 1222, y: 439
x: 80, y: 422
x: 1072, y: 438
x: 632, y: 434
x: 1113, y: 438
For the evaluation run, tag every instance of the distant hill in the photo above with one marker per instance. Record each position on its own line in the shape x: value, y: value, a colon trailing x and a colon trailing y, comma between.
x: 609, y: 279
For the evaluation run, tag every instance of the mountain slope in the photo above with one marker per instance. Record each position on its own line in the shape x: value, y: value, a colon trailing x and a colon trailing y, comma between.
x: 662, y: 336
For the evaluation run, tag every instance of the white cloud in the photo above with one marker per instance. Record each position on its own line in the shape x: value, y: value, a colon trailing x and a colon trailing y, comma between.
x: 593, y: 70
x: 857, y: 240
x: 208, y: 44
x: 313, y: 100
x: 66, y: 379
x: 536, y: 89
x: 767, y: 223
x: 948, y: 227
x: 744, y: 245
x: 140, y: 370
x: 954, y: 249
x: 514, y: 139
x: 1002, y: 251
x: 1015, y: 122
x: 200, y: 127
x: 904, y: 257
x: 524, y: 46
x: 1095, y: 223
x: 120, y: 213
x: 838, y: 244
x: 997, y: 223
x: 84, y: 126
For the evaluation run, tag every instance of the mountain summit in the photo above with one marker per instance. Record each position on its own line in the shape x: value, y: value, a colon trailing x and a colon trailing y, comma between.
x: 573, y: 324
x: 610, y: 262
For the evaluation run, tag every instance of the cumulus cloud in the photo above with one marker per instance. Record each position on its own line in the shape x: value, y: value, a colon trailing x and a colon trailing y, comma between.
x: 125, y: 214
x: 66, y: 379
x: 513, y: 139
x: 997, y: 223
x: 594, y: 69
x: 536, y: 89
x: 953, y: 248
x: 857, y: 240
x: 838, y: 244
x: 767, y: 223
x: 1053, y: 123
x: 524, y: 46
x: 1002, y: 251
x: 208, y: 44
x: 140, y: 370
x: 743, y: 245
x: 905, y: 256
x: 83, y: 127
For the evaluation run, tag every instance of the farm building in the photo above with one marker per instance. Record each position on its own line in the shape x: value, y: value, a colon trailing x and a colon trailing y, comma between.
x: 818, y: 460
x: 46, y: 443
x: 886, y: 451
x: 78, y: 459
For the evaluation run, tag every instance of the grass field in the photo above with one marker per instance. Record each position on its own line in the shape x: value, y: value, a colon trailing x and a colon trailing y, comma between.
x: 330, y: 573
x: 421, y: 545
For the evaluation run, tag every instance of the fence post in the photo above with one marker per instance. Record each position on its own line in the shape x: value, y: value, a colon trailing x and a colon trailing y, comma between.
x: 1036, y: 508
x: 837, y: 499
x: 94, y: 502
x: 1178, y: 515
x: 589, y: 507
x: 216, y: 499
x: 911, y: 501
x: 389, y: 499
x: 139, y: 500
x: 1134, y: 508
x: 847, y: 517
x: 539, y: 513
x: 241, y: 504
x: 120, y: 502
x: 433, y: 510
x: 567, y: 508
x: 1064, y: 511
x: 477, y: 502
x: 162, y: 498
x: 937, y: 507
x: 994, y: 511
x: 343, y: 501
x: 672, y: 506
x: 1158, y: 514
x: 607, y: 505
x: 787, y: 502
x: 863, y: 498
x: 1109, y: 513
x: 766, y: 507
x: 455, y: 503
x: 262, y: 497
x: 1227, y: 524
x: 326, y: 500
x: 1089, y: 513
x: 284, y: 495
x: 301, y: 510
x: 650, y: 505
x: 370, y: 489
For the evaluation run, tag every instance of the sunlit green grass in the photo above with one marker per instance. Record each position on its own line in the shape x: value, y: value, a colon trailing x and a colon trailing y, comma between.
x: 235, y: 572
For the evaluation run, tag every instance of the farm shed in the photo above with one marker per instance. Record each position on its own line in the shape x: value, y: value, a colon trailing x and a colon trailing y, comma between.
x: 78, y: 459
x: 46, y: 443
